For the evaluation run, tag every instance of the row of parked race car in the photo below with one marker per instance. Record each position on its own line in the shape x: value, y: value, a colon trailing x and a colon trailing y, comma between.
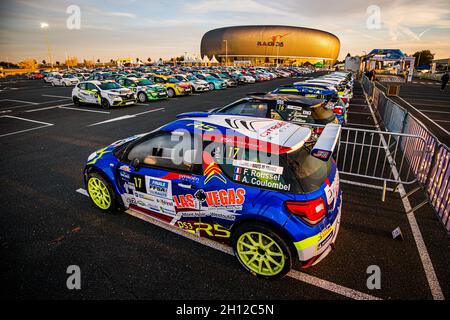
x: 116, y: 88
x: 257, y: 174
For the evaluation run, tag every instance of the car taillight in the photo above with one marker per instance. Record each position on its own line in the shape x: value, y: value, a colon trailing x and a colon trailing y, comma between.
x: 317, y: 130
x: 337, y: 111
x: 311, y: 211
x: 344, y: 100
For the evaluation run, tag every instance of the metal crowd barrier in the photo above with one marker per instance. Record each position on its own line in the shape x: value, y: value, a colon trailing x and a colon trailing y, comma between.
x: 431, y: 168
x: 368, y: 155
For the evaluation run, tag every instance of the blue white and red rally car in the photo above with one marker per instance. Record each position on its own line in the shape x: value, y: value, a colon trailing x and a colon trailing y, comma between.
x: 256, y: 184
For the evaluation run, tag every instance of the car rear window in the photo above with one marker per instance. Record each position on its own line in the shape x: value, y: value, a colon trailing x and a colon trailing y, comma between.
x: 305, y: 170
x: 317, y: 114
x: 247, y: 108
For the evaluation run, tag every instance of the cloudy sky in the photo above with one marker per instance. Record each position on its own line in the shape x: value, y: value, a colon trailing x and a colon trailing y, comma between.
x: 157, y: 28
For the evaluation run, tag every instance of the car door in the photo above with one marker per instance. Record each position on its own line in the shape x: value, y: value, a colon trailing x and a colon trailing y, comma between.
x: 92, y: 93
x: 160, y: 181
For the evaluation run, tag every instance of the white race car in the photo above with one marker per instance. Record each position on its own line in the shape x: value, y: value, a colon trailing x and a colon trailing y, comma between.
x: 66, y: 80
x: 104, y: 93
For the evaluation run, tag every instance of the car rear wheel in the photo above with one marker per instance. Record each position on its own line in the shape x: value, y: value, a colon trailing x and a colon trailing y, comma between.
x: 142, y: 97
x: 101, y: 193
x: 262, y: 251
x: 105, y: 104
x: 211, y: 86
x: 170, y: 92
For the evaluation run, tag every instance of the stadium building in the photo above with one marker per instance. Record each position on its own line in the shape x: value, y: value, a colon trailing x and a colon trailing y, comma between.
x: 269, y: 45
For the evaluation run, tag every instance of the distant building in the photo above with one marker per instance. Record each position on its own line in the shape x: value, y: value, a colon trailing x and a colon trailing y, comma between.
x: 270, y: 45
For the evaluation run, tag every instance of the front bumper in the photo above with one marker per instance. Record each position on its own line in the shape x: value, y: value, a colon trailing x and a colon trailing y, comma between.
x: 314, y: 249
x: 152, y: 95
x: 124, y: 101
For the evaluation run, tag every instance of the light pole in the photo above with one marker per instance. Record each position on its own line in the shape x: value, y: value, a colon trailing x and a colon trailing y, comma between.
x: 226, y: 52
x: 45, y: 26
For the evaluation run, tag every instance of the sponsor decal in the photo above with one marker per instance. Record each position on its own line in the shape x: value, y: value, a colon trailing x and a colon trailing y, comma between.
x: 204, y: 229
x: 202, y: 126
x: 321, y: 154
x: 260, y: 178
x: 125, y: 175
x: 258, y: 166
x: 212, y: 170
x: 158, y: 187
x: 125, y: 168
x: 221, y: 204
x: 273, y: 129
x: 332, y: 192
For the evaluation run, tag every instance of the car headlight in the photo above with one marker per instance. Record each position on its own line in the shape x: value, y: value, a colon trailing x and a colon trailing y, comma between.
x: 113, y: 96
x: 92, y: 156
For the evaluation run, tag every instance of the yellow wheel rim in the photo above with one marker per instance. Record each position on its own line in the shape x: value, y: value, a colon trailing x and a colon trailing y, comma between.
x: 99, y: 193
x: 260, y: 253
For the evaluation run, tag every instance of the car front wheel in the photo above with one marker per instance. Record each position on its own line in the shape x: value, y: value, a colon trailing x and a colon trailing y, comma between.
x: 105, y: 104
x: 142, y: 97
x: 101, y: 193
x: 262, y: 251
x: 170, y: 92
x: 211, y: 86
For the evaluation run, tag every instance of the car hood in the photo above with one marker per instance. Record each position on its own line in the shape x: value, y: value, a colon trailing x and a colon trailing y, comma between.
x: 119, y: 91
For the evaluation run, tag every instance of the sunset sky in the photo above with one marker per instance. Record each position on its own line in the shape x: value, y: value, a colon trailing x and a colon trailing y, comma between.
x: 138, y: 28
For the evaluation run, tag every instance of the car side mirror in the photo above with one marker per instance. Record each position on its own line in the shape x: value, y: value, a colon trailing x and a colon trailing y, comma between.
x: 135, y: 164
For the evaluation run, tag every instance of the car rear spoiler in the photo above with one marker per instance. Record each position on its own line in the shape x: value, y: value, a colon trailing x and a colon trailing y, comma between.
x: 324, y: 147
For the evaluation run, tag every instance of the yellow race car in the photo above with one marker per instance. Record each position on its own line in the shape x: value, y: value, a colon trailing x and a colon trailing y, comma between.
x: 174, y: 86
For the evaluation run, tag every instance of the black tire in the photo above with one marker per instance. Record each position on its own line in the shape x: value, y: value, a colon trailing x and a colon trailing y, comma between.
x: 170, y: 92
x: 76, y: 102
x: 105, y: 104
x: 274, y: 235
x: 142, y: 97
x: 115, y: 203
x: 211, y: 86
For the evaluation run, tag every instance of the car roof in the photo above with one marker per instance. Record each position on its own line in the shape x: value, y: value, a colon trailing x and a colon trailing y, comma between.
x: 250, y: 132
x: 287, y: 98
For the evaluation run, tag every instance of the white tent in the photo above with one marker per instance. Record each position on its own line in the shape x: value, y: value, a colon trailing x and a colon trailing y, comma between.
x: 205, y: 59
x: 214, y: 60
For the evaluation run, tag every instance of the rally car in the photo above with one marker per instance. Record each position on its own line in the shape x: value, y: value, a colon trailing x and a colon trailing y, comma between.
x: 174, y: 86
x: 196, y: 84
x: 144, y: 89
x: 104, y: 93
x: 66, y: 80
x: 213, y: 83
x: 256, y: 184
x: 334, y: 102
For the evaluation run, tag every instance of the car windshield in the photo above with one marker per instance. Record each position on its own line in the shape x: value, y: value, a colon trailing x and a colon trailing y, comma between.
x: 210, y: 78
x: 109, y: 86
x: 173, y: 80
x: 192, y: 78
x: 145, y: 83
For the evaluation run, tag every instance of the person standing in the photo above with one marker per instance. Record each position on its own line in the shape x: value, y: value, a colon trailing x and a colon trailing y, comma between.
x: 444, y: 81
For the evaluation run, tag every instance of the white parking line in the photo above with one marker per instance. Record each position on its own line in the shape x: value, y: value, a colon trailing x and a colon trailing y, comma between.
x: 430, y: 274
x: 21, y: 101
x: 297, y: 275
x: 47, y: 108
x: 85, y: 110
x: 44, y: 124
x: 442, y: 120
x: 127, y: 116
x: 53, y: 96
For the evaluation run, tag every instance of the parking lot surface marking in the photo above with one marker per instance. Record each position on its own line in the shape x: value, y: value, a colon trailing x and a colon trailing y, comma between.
x: 44, y: 124
x: 127, y: 116
x: 430, y: 273
x: 84, y: 110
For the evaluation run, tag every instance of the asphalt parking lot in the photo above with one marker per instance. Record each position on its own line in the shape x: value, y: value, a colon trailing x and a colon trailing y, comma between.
x: 47, y: 225
x: 424, y: 99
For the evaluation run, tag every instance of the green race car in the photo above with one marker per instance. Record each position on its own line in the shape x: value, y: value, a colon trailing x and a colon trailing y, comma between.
x: 145, y: 89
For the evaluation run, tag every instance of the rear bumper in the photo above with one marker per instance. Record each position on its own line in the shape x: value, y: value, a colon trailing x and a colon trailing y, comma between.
x: 314, y: 249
